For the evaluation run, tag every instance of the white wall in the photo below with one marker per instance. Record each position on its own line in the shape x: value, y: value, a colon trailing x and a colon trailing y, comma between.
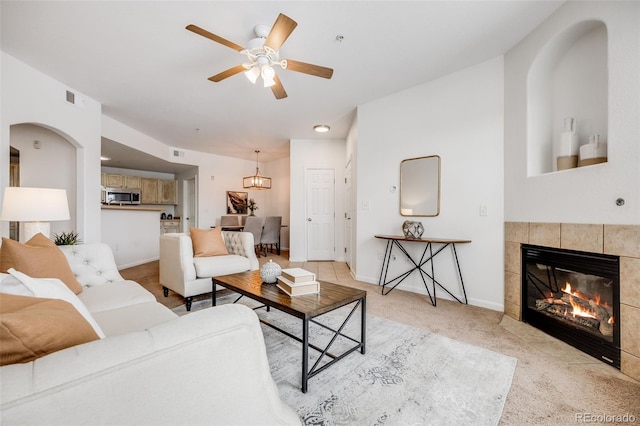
x: 460, y: 118
x: 586, y: 194
x: 316, y: 153
x: 277, y: 199
x: 134, y: 236
x: 52, y: 165
x: 28, y: 96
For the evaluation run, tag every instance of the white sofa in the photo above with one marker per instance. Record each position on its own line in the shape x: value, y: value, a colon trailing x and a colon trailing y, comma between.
x: 153, y: 367
x: 191, y: 276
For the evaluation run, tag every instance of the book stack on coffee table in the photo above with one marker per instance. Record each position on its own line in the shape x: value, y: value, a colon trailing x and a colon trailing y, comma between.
x: 297, y: 282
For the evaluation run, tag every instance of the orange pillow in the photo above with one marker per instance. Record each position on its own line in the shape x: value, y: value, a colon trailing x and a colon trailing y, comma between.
x: 39, y: 258
x: 207, y: 242
x: 32, y: 327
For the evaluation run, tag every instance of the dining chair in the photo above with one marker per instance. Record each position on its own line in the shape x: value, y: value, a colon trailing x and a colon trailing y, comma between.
x: 229, y: 220
x: 271, y: 233
x: 253, y: 224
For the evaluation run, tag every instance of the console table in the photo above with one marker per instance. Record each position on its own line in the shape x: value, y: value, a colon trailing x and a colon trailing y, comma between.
x: 427, y: 257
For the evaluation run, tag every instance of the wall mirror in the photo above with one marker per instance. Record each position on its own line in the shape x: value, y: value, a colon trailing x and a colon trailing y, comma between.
x: 420, y: 186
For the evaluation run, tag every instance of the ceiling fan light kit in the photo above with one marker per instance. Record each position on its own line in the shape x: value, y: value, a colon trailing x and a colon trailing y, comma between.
x: 263, y: 53
x: 256, y: 181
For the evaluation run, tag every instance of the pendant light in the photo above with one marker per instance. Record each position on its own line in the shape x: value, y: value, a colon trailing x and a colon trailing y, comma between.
x: 257, y: 181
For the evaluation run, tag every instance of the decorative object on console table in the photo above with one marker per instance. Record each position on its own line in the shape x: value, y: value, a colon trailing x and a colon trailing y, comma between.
x: 412, y: 229
x: 35, y: 206
x: 270, y: 272
x: 298, y: 275
x: 298, y: 289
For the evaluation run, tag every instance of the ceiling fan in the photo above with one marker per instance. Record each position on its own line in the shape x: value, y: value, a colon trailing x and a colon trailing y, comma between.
x: 263, y: 54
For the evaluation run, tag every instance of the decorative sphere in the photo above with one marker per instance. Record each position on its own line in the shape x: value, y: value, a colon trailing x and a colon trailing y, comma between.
x: 270, y: 272
x: 412, y: 229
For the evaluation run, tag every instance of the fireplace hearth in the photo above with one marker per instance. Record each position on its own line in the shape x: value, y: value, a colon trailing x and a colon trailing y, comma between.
x: 575, y: 297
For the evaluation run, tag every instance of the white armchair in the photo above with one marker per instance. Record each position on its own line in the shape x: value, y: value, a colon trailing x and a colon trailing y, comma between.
x: 191, y: 276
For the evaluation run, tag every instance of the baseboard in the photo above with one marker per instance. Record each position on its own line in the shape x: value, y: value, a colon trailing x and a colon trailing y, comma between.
x: 136, y: 263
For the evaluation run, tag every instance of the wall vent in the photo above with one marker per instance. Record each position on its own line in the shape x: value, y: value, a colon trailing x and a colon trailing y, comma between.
x: 71, y: 97
x: 74, y: 99
x: 175, y: 152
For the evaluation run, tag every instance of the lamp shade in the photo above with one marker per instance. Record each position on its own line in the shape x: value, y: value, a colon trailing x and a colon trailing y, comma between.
x: 21, y: 204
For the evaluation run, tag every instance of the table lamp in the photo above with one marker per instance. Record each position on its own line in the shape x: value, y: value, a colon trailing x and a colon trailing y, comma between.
x: 36, y: 207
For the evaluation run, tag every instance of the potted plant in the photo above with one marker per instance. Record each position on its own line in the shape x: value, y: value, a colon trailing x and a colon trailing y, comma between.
x: 66, y: 238
x: 252, y: 206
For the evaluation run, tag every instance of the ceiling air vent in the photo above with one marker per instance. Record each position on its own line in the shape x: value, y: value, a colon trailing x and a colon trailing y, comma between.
x: 175, y: 152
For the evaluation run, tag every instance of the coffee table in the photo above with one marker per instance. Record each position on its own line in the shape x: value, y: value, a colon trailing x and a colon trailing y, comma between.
x: 308, y: 308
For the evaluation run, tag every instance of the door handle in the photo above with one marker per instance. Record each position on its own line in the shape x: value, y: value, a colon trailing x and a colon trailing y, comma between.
x: 308, y: 219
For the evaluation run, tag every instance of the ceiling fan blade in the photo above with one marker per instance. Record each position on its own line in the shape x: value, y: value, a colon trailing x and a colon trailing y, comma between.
x: 310, y: 69
x: 217, y: 39
x: 227, y: 73
x: 282, y: 28
x: 278, y: 88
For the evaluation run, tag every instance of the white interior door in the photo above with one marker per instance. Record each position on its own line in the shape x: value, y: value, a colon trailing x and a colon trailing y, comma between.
x: 320, y: 192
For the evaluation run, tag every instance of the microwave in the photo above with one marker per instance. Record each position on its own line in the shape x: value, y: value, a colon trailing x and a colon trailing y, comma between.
x: 121, y: 196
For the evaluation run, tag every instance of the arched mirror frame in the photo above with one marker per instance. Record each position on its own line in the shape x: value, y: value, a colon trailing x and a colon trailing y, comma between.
x: 420, y: 186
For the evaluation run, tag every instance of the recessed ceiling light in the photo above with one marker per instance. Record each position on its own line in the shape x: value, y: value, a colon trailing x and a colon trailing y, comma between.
x: 321, y: 128
x: 102, y: 158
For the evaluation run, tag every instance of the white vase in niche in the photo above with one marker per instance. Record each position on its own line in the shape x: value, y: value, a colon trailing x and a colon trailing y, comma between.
x: 567, y: 148
x: 270, y: 272
x: 593, y: 152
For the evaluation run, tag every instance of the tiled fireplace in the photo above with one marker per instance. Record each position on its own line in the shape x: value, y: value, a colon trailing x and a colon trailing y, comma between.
x: 615, y: 240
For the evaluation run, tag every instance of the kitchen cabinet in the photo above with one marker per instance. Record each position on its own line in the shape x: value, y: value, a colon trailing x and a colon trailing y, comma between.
x: 110, y: 180
x: 132, y: 182
x: 169, y: 226
x: 148, y: 191
x: 152, y: 190
x: 113, y: 181
x: 166, y: 191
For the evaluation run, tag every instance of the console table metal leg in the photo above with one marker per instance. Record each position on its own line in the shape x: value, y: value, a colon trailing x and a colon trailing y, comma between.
x: 434, y: 301
x: 305, y: 354
x: 385, y: 265
x: 363, y: 324
x: 213, y: 292
x: 455, y: 254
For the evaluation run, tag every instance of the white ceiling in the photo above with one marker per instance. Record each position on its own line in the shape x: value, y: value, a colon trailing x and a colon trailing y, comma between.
x: 137, y: 59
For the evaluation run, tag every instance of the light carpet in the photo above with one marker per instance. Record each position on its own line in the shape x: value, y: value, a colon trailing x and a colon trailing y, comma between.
x: 408, y: 376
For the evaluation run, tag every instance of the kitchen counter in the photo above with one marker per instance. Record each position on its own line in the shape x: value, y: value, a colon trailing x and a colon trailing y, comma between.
x: 129, y: 207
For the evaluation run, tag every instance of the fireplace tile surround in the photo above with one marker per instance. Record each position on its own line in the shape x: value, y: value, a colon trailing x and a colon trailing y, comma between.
x: 618, y: 240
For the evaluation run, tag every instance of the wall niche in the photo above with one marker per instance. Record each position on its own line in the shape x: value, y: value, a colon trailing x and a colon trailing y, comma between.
x: 567, y: 101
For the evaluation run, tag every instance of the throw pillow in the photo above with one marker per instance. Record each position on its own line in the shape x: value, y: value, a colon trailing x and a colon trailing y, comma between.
x: 207, y: 242
x: 55, y: 289
x: 32, y: 327
x: 40, y: 258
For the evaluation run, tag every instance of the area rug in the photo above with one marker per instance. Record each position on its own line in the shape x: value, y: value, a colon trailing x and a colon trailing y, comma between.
x: 407, y: 376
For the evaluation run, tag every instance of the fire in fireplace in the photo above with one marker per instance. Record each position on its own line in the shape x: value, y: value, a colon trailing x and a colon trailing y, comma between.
x: 574, y: 296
